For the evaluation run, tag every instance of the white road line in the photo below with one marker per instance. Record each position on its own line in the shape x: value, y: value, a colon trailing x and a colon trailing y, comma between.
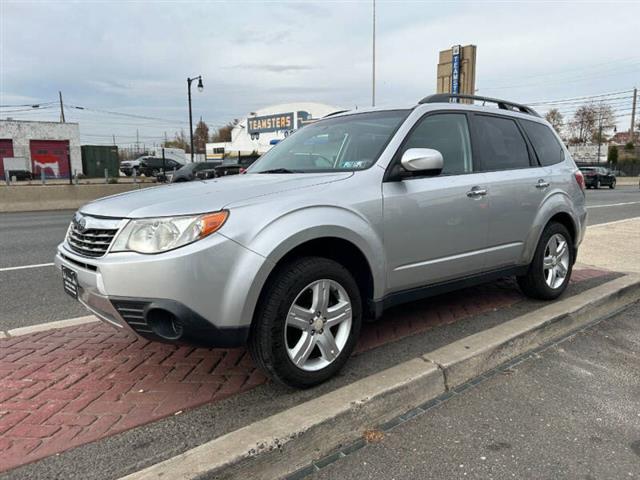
x: 22, y: 267
x: 612, y: 205
x: 612, y: 223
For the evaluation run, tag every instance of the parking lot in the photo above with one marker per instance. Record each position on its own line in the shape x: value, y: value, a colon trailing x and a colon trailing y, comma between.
x: 76, y: 398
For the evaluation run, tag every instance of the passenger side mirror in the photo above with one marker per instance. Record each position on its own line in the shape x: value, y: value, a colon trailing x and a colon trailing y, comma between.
x: 424, y: 161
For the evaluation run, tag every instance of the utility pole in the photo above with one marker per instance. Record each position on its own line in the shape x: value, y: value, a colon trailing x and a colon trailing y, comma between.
x: 165, y: 139
x: 599, y: 135
x: 633, y: 113
x: 373, y: 65
x: 137, y: 142
x: 61, y: 108
x: 114, y: 140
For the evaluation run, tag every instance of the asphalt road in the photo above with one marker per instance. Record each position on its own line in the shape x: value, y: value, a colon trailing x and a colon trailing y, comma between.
x: 569, y: 412
x: 32, y: 296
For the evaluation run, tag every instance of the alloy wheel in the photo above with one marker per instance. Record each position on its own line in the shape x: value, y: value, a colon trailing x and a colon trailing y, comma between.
x: 318, y: 325
x: 556, y: 259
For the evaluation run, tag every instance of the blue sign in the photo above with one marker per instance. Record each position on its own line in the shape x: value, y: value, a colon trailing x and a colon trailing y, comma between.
x: 455, y: 70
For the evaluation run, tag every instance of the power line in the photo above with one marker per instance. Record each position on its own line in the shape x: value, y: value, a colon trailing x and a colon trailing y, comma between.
x: 129, y: 115
x: 564, y: 100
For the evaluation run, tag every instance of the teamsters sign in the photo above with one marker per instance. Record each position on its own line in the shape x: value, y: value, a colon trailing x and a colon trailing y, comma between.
x: 270, y: 123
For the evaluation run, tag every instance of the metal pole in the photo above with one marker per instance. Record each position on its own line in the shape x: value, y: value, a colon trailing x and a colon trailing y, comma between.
x: 599, y: 136
x: 61, y: 107
x: 189, y: 80
x: 373, y: 65
x: 163, y: 163
x: 633, y: 113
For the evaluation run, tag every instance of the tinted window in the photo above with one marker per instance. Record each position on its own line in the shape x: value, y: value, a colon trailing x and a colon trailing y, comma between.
x: 449, y: 134
x: 500, y: 143
x: 544, y: 142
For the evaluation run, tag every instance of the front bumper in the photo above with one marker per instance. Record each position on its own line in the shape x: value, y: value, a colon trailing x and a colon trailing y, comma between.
x: 203, y: 285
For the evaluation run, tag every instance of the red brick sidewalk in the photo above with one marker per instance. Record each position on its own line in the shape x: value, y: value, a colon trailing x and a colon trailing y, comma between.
x: 63, y: 388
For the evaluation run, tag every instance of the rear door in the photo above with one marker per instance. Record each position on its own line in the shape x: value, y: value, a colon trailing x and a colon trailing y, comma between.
x: 435, y: 228
x: 516, y: 186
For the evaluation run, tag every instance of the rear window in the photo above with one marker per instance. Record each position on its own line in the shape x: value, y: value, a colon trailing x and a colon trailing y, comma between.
x: 545, y: 143
x: 501, y: 145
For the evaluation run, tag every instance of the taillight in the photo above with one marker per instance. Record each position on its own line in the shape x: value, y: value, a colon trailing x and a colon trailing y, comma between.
x: 580, y: 179
x: 242, y: 170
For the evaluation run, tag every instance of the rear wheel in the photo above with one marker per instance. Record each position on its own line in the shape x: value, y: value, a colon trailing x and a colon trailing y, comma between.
x: 550, y: 270
x: 307, y: 323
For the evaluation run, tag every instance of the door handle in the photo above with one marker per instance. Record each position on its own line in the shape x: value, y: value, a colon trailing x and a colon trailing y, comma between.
x: 477, y: 192
x: 542, y: 184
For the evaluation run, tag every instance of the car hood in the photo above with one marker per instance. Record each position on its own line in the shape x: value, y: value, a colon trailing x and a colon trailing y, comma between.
x: 203, y: 196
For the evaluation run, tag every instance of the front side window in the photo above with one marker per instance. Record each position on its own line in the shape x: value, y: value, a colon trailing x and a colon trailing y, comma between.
x: 500, y: 143
x: 449, y: 134
x: 347, y: 143
x: 545, y: 143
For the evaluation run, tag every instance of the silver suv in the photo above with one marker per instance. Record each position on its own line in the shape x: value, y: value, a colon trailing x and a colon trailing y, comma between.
x: 351, y: 215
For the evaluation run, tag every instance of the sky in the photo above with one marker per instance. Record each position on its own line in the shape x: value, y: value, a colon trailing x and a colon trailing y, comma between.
x: 133, y: 57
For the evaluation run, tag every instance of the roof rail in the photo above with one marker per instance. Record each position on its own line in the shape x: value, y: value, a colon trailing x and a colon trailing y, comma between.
x: 502, y: 104
x: 337, y: 112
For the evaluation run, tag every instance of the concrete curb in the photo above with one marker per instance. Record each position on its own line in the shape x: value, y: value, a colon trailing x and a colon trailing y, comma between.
x: 43, y: 327
x: 288, y: 441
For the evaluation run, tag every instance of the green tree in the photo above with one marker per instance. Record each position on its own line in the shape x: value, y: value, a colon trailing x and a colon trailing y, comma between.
x: 612, y: 156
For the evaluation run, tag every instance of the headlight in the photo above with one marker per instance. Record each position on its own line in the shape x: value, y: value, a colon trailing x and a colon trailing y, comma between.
x: 155, y: 235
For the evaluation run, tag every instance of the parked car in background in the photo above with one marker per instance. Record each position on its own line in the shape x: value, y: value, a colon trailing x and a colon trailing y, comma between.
x: 129, y: 166
x: 596, y: 177
x: 233, y: 166
x: 151, y: 166
x: 192, y: 171
x: 351, y: 215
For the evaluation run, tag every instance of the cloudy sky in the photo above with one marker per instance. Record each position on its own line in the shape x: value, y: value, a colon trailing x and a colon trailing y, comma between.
x: 134, y: 57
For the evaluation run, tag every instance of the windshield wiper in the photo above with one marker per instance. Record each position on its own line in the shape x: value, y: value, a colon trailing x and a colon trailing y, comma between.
x: 279, y: 170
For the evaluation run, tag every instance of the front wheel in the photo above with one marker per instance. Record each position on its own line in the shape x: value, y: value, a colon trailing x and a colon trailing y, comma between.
x: 597, y: 184
x: 550, y: 270
x: 613, y: 184
x: 307, y: 322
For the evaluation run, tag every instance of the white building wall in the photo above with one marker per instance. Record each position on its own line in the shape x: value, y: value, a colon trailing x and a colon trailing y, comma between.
x: 22, y: 132
x: 241, y: 140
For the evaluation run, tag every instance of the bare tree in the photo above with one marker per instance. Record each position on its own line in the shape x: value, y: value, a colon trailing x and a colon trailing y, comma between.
x: 179, y: 141
x: 555, y: 118
x: 605, y: 120
x: 200, y: 137
x: 583, y: 124
x: 223, y: 134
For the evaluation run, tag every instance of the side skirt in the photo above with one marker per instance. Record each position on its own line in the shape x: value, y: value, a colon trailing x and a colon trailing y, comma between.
x: 377, y: 307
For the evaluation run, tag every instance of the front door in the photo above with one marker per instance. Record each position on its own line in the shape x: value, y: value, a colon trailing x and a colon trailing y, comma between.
x: 435, y: 228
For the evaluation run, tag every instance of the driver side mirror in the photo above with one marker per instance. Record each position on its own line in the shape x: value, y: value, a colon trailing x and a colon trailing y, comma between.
x: 424, y: 161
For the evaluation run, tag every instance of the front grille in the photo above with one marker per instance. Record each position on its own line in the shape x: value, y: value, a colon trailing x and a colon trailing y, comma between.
x: 133, y: 313
x: 90, y: 242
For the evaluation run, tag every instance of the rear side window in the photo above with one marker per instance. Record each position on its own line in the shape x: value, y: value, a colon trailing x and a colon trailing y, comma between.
x: 500, y: 143
x: 449, y: 134
x: 545, y: 143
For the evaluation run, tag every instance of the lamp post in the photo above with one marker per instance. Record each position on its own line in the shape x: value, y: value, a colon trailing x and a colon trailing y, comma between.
x: 200, y: 88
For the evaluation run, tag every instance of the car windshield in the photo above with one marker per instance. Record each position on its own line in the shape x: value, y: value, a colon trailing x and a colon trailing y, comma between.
x: 588, y: 169
x: 347, y: 143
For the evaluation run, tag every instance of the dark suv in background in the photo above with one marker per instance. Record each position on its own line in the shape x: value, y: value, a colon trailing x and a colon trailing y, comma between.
x: 151, y: 166
x: 596, y: 177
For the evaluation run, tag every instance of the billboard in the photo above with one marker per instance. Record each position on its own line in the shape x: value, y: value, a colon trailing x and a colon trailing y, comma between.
x: 270, y: 123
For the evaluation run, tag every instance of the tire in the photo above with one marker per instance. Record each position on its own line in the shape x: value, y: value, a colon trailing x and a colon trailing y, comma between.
x: 597, y: 184
x: 128, y: 174
x: 273, y: 339
x: 534, y: 283
x: 613, y: 184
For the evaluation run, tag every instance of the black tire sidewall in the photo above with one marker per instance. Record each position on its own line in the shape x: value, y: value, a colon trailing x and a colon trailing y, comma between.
x: 270, y: 349
x: 534, y: 283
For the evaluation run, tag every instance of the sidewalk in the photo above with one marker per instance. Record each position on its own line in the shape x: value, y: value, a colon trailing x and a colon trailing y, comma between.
x: 569, y: 412
x: 614, y: 246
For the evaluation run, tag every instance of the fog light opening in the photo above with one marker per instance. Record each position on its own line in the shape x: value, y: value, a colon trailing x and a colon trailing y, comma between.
x: 164, y: 324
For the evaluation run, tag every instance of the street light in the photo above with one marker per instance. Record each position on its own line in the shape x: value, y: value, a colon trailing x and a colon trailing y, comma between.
x: 200, y: 88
